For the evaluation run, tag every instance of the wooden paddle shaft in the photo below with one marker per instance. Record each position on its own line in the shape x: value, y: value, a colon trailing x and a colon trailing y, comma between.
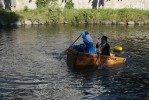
x: 64, y: 52
x: 75, y: 40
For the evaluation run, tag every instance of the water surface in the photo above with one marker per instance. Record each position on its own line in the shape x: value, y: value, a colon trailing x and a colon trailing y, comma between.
x: 30, y: 69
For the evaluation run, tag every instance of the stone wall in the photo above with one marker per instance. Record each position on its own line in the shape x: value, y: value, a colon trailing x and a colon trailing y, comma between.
x: 125, y: 4
x: 31, y: 4
x: 146, y: 6
x: 139, y: 4
x: 79, y: 4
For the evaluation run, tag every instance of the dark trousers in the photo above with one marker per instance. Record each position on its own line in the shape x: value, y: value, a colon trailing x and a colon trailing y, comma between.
x: 64, y: 0
x: 101, y: 3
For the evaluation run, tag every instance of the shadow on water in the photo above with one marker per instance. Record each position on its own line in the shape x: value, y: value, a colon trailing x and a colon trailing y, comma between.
x: 7, y: 17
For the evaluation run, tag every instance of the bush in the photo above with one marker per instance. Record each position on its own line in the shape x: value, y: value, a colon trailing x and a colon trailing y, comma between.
x: 76, y: 16
x: 26, y: 8
x: 44, y: 3
x: 69, y: 4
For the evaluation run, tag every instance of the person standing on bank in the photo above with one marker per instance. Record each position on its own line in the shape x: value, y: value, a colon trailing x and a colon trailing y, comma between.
x: 101, y: 3
x: 13, y: 4
x: 103, y: 48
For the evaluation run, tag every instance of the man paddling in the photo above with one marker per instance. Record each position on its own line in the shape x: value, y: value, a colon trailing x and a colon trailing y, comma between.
x: 88, y: 46
x: 103, y: 47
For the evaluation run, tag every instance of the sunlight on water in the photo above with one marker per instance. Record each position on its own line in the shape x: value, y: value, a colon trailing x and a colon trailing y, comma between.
x: 30, y: 68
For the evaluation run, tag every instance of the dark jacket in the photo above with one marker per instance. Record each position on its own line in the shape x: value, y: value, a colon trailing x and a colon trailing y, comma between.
x: 105, y: 50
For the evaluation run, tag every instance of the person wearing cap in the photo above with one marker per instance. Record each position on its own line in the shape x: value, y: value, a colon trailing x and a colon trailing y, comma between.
x: 103, y: 47
x: 88, y: 45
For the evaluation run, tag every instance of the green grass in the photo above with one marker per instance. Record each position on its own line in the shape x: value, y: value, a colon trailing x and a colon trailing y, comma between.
x: 76, y: 16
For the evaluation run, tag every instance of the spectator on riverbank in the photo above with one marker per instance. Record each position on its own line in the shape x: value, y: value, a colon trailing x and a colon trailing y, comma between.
x: 13, y: 4
x: 94, y: 3
x: 6, y: 4
x: 101, y: 3
x: 64, y: 1
x: 97, y: 2
x: 2, y: 6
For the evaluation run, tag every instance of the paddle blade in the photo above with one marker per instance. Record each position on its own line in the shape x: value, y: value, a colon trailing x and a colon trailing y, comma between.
x: 62, y: 54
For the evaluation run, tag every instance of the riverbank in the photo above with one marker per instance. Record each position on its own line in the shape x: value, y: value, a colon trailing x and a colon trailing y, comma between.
x: 75, y: 16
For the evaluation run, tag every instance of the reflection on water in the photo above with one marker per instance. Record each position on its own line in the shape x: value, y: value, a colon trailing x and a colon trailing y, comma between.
x: 30, y: 69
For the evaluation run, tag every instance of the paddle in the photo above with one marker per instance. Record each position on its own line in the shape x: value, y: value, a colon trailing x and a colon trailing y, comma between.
x: 65, y: 51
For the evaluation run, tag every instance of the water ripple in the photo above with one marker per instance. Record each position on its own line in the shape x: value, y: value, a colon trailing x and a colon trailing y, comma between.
x: 30, y: 68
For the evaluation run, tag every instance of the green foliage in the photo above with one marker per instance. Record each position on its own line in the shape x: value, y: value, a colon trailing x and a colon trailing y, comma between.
x: 69, y: 4
x: 44, y: 3
x: 76, y: 16
x: 26, y: 8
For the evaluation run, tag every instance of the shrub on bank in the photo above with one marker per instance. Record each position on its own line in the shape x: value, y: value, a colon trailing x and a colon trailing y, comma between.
x: 76, y: 16
x: 44, y: 3
x: 69, y: 4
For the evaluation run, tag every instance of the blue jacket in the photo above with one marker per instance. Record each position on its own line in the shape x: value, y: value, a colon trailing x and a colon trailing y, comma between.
x: 88, y: 42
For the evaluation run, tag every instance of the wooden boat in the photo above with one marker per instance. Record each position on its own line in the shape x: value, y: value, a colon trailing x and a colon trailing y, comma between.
x: 81, y: 60
x: 112, y: 60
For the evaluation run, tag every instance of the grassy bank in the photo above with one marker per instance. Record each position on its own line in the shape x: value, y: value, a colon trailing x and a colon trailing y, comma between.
x: 75, y: 16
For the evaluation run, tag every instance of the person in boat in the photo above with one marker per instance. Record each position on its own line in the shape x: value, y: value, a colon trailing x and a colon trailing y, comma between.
x: 103, y: 48
x: 88, y: 45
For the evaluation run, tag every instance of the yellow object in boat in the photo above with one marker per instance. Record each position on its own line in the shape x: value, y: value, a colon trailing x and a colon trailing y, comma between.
x: 118, y: 49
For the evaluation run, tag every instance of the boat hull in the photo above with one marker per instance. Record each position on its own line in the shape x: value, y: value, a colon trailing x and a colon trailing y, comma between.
x: 83, y: 61
x: 112, y: 60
